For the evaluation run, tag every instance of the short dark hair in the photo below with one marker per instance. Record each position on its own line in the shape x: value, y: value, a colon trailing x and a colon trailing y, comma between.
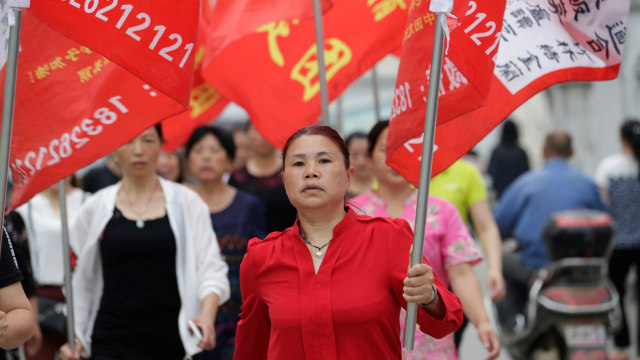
x: 158, y: 128
x: 322, y: 130
x: 375, y: 132
x: 355, y: 135
x: 558, y: 142
x: 509, y: 133
x: 630, y: 132
x: 224, y: 138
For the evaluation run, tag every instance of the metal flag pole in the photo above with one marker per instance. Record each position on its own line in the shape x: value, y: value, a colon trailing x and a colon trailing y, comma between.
x: 9, y: 95
x: 376, y: 94
x: 322, y: 70
x: 64, y: 222
x: 425, y: 170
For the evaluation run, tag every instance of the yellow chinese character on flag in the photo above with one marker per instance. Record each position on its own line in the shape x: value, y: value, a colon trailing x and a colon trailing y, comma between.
x: 414, y: 4
x: 408, y: 32
x: 429, y: 18
x: 418, y: 24
x: 336, y: 56
x: 57, y: 63
x: 86, y: 50
x: 85, y: 74
x: 203, y: 97
x: 98, y: 66
x: 274, y: 30
x: 42, y: 72
x: 72, y: 54
x: 385, y: 7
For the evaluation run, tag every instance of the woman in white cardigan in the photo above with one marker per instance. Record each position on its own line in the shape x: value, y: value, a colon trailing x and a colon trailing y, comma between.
x: 148, y: 262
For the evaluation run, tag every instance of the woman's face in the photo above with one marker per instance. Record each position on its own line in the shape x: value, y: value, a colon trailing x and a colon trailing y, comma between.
x: 383, y: 172
x: 360, y: 160
x: 169, y: 165
x: 243, y: 148
x: 314, y: 174
x: 208, y: 160
x: 139, y: 156
x: 258, y: 143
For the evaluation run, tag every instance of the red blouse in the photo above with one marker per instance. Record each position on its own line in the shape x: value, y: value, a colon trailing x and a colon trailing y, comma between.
x: 349, y: 310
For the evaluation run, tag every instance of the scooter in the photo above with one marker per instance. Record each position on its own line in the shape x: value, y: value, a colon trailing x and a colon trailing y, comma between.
x: 572, y: 307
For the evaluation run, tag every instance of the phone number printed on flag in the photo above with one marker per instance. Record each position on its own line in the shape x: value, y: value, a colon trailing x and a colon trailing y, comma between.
x: 450, y: 80
x: 490, y: 27
x: 63, y: 147
x: 143, y: 22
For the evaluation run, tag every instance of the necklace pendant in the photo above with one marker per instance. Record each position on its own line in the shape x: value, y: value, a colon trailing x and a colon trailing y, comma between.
x: 319, y: 253
x: 139, y: 223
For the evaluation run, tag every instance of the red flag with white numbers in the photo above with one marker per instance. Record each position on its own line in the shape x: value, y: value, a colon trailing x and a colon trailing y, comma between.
x: 273, y: 73
x: 205, y: 102
x: 91, y: 76
x: 543, y: 42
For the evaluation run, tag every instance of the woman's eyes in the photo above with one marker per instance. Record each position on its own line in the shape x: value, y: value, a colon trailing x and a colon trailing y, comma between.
x: 321, y: 161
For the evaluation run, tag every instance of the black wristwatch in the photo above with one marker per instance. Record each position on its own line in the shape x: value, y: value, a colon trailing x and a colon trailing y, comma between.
x: 433, y: 301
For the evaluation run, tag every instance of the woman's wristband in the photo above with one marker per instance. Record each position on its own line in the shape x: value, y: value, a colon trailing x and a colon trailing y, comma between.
x: 433, y: 301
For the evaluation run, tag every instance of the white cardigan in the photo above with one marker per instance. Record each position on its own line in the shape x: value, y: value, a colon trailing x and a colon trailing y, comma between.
x: 200, y: 269
x: 45, y: 235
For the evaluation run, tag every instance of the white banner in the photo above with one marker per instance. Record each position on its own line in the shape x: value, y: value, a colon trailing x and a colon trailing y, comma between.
x: 542, y: 36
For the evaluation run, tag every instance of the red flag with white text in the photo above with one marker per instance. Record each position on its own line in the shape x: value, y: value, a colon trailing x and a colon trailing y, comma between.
x: 543, y: 42
x: 205, y: 103
x: 273, y: 73
x: 104, y: 74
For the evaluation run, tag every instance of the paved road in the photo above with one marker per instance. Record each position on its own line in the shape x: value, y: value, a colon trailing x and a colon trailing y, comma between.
x: 471, y: 348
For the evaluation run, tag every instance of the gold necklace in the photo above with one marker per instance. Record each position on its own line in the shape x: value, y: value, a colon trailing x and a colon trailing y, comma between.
x: 319, y: 248
x: 139, y: 221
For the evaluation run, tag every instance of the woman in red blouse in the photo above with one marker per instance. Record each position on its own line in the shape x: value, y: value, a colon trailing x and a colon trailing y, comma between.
x: 332, y: 285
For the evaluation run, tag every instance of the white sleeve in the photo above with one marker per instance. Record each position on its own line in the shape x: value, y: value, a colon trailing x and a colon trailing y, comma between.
x: 601, y: 176
x: 79, y: 227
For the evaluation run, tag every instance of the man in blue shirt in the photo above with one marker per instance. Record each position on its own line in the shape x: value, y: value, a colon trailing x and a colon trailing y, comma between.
x: 524, y: 209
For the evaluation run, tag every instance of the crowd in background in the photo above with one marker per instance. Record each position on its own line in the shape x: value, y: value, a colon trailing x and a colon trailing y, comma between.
x: 232, y: 191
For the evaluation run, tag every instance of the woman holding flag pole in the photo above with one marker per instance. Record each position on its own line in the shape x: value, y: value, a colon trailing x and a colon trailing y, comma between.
x: 332, y: 285
x: 447, y: 245
x: 149, y: 275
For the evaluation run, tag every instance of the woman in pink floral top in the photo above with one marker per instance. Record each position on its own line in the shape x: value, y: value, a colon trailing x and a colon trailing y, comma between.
x: 448, y: 247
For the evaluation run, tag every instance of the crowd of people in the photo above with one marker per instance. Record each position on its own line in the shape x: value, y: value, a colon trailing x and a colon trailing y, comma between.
x: 230, y: 248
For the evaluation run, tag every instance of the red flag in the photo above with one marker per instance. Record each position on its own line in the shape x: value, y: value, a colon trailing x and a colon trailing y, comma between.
x: 273, y: 73
x: 150, y: 38
x: 205, y: 103
x: 234, y: 19
x: 74, y: 104
x: 543, y: 42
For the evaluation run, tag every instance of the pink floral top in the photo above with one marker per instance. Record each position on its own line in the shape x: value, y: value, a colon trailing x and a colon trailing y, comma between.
x: 447, y: 243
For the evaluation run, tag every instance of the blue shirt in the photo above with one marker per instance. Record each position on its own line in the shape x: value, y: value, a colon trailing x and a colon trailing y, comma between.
x: 529, y: 202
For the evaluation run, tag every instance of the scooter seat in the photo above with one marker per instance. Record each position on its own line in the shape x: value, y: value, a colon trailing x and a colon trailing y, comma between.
x: 577, y: 299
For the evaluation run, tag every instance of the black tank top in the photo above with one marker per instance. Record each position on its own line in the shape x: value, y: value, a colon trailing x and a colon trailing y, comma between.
x: 138, y: 314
